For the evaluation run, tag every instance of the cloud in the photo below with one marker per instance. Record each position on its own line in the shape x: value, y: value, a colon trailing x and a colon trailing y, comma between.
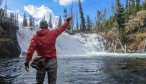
x: 66, y: 2
x: 38, y: 12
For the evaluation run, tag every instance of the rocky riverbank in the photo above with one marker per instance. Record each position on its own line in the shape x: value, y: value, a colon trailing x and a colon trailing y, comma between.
x: 9, y: 46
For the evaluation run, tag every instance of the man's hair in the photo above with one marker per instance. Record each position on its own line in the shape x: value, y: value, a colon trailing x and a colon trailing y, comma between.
x: 43, y: 24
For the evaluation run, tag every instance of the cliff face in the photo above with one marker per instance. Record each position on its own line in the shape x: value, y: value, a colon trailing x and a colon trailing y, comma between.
x: 9, y: 46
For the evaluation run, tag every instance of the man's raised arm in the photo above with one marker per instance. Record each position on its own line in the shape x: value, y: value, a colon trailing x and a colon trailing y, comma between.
x: 62, y: 28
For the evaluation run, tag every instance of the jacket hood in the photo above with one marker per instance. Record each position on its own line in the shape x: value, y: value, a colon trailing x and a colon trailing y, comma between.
x: 42, y: 32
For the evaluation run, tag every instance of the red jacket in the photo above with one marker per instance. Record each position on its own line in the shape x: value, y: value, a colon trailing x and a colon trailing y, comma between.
x: 44, y: 42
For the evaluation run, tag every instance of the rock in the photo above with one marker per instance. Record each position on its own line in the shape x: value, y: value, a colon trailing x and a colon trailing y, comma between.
x: 1, y: 31
x: 9, y: 46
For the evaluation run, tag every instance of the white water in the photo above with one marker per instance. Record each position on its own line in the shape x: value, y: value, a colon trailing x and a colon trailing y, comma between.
x: 67, y: 45
x: 76, y: 45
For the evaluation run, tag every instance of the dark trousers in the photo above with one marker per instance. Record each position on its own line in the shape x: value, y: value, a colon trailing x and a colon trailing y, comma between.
x: 51, y: 69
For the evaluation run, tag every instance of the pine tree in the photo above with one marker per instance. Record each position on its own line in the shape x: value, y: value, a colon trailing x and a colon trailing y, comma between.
x: 25, y: 24
x: 65, y: 13
x: 113, y: 9
x: 137, y: 5
x: 128, y: 9
x: 77, y: 25
x: 50, y: 21
x: 104, y: 15
x: 71, y: 25
x: 5, y: 10
x: 59, y: 21
x: 120, y: 21
x: 83, y: 27
x: 127, y: 4
x: 133, y: 7
x: 33, y: 21
x: 88, y: 23
x: 144, y: 5
x: 98, y: 18
x: 12, y: 17
x: 133, y: 3
x: 65, y: 16
x: 30, y: 21
x: 16, y: 19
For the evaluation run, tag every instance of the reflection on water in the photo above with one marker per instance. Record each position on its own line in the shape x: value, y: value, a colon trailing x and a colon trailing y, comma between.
x: 95, y: 70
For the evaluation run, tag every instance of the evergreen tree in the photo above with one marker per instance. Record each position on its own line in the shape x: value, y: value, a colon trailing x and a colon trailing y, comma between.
x: 144, y: 5
x: 72, y: 21
x: 33, y: 21
x: 5, y: 10
x: 16, y: 19
x: 83, y: 27
x: 65, y: 16
x: 137, y: 5
x: 120, y: 21
x: 30, y: 21
x: 98, y: 18
x: 92, y: 24
x: 77, y: 25
x: 133, y: 3
x: 127, y: 4
x: 113, y: 9
x: 25, y: 24
x: 65, y: 13
x: 59, y: 21
x: 104, y: 15
x: 88, y: 23
x: 133, y: 8
x: 50, y: 21
x: 12, y: 17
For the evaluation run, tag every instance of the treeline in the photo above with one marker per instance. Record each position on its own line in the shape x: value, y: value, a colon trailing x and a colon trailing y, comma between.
x: 28, y: 22
x: 5, y: 15
x: 121, y: 15
x: 131, y: 8
x: 77, y: 25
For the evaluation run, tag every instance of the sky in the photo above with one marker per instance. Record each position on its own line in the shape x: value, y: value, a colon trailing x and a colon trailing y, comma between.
x: 39, y: 8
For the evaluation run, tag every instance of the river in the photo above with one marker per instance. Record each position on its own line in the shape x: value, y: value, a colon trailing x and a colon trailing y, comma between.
x: 80, y: 70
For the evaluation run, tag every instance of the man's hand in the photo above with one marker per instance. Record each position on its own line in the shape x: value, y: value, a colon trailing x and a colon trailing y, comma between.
x: 69, y: 18
x: 26, y: 66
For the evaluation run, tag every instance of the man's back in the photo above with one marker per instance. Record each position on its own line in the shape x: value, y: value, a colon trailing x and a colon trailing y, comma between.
x: 45, y: 43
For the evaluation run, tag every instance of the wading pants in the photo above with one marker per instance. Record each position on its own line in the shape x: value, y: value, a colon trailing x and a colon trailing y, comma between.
x: 51, y: 69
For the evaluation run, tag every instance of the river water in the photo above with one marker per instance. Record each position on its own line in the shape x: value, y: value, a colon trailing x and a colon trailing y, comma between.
x: 80, y: 70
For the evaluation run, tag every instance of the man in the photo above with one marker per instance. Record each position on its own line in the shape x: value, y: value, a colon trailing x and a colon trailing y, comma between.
x: 44, y: 43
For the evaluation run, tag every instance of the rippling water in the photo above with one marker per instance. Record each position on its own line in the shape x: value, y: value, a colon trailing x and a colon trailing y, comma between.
x: 94, y: 70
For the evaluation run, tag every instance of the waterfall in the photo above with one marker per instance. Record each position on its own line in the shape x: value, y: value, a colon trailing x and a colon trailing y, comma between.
x: 77, y: 44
